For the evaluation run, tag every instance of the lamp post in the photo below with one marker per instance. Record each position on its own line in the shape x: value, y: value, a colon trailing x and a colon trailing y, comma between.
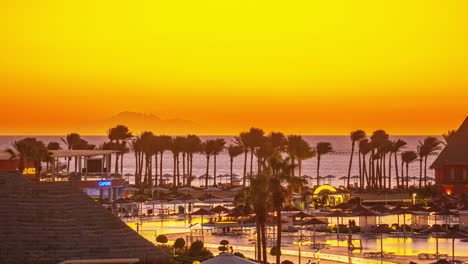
x: 414, y: 198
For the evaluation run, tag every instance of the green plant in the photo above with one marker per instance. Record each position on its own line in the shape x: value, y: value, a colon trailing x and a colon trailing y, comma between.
x: 240, y: 255
x: 224, y: 242
x: 161, y: 239
x: 179, y: 243
x: 274, y: 251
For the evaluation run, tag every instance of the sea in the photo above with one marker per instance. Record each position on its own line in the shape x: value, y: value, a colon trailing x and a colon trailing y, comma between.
x: 335, y: 163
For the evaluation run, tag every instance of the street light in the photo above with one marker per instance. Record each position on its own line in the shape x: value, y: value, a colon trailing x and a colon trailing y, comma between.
x: 414, y: 198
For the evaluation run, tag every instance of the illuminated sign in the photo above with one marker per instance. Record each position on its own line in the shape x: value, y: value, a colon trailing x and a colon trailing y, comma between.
x: 324, y: 187
x: 29, y: 171
x: 104, y: 183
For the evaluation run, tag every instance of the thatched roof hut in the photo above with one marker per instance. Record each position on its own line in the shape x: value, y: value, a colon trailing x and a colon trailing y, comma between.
x: 55, y: 221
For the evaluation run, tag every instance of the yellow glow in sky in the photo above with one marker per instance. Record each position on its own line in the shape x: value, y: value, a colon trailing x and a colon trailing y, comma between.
x: 312, y: 67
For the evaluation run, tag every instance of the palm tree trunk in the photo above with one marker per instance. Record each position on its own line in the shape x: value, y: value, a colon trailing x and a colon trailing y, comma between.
x: 161, y: 168
x: 116, y: 165
x: 214, y: 170
x: 402, y: 174
x: 232, y: 178
x: 396, y: 170
x: 299, y: 165
x: 420, y: 171
x: 174, y: 171
x: 121, y: 163
x: 259, y: 240
x: 156, y: 168
x: 361, y: 178
x: 425, y: 171
x: 318, y: 170
x: 251, y: 163
x: 278, y: 235
x: 178, y: 173
x: 350, y: 164
x: 264, y: 244
x: 245, y: 169
x: 207, y: 169
x: 390, y: 171
x: 407, y: 177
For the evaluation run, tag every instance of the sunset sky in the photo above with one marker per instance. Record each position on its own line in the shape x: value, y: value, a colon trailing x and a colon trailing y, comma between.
x: 308, y: 67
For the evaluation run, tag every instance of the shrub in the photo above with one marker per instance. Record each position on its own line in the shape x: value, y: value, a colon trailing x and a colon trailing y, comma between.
x: 240, y: 255
x: 161, y: 239
x: 286, y: 262
x: 274, y: 251
x: 179, y: 243
x: 224, y: 242
x: 222, y: 248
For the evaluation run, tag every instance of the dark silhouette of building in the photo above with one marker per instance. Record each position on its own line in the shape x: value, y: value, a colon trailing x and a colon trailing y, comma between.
x: 451, y: 166
x: 50, y: 222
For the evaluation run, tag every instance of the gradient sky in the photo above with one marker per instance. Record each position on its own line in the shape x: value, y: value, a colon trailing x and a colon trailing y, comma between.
x: 309, y: 67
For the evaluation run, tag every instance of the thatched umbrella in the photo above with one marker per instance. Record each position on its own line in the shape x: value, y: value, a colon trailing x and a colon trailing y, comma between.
x: 382, y: 229
x: 436, y: 230
x: 453, y: 235
x: 447, y: 213
x: 380, y: 208
x: 365, y: 213
x: 358, y: 208
x: 338, y: 215
x: 201, y: 212
x: 401, y: 211
x: 313, y: 222
x: 290, y: 208
x: 416, y: 208
x: 343, y: 206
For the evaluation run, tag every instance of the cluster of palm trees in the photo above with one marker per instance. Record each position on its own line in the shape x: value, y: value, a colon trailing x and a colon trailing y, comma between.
x: 377, y: 153
x: 149, y: 149
x: 268, y: 192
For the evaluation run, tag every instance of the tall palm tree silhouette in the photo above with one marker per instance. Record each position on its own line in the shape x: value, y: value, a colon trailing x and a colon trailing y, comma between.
x: 355, y: 137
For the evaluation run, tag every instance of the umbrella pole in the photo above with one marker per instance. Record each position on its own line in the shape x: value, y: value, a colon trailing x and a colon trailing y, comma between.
x: 437, y: 248
x: 201, y: 224
x: 381, y: 244
x: 453, y: 248
x: 313, y: 226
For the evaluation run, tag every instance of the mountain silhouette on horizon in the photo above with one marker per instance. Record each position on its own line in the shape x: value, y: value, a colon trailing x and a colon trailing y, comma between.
x: 138, y: 122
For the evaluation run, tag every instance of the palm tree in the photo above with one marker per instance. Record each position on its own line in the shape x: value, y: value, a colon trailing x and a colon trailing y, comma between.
x: 378, y: 139
x: 119, y: 134
x: 218, y: 147
x: 243, y: 141
x: 428, y: 147
x: 322, y: 148
x: 364, y: 149
x: 355, y: 136
x: 264, y: 152
x: 193, y: 145
x: 137, y: 149
x: 233, y: 151
x: 207, y: 150
x: 52, y: 146
x: 292, y: 146
x: 278, y: 140
x: 165, y: 142
x: 281, y: 170
x: 303, y: 152
x: 146, y: 139
x: 30, y: 150
x: 71, y: 140
x: 396, y: 147
x: 255, y: 140
x: 408, y: 157
x: 448, y: 136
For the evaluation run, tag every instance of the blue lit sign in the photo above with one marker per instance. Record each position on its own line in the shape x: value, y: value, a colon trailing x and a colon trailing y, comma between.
x: 104, y: 183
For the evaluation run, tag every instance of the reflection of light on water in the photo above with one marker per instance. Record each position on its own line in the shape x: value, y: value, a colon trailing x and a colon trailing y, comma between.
x: 401, y: 246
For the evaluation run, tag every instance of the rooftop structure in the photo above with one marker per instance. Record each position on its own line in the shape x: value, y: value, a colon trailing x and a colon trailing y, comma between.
x: 51, y: 222
x: 451, y: 166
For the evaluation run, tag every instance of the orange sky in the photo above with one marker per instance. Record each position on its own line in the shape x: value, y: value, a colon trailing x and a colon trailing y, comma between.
x: 309, y: 67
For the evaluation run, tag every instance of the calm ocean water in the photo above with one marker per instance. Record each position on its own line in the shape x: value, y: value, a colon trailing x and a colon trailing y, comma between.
x: 335, y: 163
